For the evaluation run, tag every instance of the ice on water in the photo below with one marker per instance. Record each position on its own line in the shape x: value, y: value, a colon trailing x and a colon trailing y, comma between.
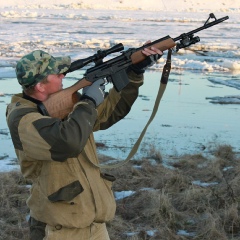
x: 79, y: 30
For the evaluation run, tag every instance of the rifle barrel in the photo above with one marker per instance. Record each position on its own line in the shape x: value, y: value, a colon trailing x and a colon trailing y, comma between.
x: 210, y: 24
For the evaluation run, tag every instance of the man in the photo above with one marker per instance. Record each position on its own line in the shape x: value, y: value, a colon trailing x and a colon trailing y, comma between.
x: 70, y: 198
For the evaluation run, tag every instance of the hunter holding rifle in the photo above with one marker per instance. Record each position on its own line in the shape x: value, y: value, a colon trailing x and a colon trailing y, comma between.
x: 70, y: 198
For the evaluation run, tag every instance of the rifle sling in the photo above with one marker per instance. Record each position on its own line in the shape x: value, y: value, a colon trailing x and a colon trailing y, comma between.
x: 162, y: 87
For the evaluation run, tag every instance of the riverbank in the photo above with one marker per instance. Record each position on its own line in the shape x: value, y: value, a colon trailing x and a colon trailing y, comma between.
x: 193, y: 198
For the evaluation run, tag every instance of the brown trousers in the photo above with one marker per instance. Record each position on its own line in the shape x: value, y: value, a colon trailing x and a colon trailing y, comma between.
x: 41, y: 231
x: 37, y: 229
x: 97, y: 231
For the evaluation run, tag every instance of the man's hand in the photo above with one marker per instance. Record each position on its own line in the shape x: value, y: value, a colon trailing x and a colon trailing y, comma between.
x: 95, y: 92
x: 152, y: 53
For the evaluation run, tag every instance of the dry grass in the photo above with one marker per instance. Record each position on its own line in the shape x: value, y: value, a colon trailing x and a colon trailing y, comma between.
x: 168, y: 204
x: 170, y: 200
x: 13, y: 209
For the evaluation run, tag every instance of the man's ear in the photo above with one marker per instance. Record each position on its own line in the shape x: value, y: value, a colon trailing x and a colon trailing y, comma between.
x: 40, y: 87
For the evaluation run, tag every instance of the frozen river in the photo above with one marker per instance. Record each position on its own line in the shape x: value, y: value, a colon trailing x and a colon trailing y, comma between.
x: 201, y: 104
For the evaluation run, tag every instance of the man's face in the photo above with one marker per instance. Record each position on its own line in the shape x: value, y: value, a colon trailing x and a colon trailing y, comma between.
x: 54, y: 83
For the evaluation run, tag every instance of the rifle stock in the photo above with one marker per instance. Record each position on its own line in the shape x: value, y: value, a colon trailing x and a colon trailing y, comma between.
x: 61, y: 103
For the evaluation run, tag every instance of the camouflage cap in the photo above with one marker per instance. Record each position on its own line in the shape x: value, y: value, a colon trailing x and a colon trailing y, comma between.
x: 35, y: 66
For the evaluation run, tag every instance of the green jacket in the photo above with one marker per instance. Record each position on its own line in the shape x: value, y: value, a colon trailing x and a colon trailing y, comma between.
x: 57, y: 155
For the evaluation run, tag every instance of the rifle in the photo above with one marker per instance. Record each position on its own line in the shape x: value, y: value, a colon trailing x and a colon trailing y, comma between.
x: 61, y: 103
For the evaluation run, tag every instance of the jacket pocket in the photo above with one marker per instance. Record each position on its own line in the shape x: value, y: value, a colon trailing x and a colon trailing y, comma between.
x: 66, y: 193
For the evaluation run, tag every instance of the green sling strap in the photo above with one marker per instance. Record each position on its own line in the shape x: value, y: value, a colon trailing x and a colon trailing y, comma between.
x: 162, y: 87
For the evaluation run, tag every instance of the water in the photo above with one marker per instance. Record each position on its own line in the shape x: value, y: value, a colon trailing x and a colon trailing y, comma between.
x: 187, y: 120
x: 79, y: 32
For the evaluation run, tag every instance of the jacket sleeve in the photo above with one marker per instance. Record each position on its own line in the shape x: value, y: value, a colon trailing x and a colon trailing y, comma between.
x: 118, y: 104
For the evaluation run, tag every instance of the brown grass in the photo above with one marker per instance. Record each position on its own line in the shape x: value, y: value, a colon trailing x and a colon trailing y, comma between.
x: 166, y: 200
x: 13, y: 209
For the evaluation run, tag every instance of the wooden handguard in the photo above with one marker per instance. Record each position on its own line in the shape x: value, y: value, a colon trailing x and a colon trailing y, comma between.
x: 163, y: 45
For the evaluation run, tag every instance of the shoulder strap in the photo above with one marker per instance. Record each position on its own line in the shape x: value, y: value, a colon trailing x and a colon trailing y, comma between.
x: 162, y: 87
x: 41, y: 108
